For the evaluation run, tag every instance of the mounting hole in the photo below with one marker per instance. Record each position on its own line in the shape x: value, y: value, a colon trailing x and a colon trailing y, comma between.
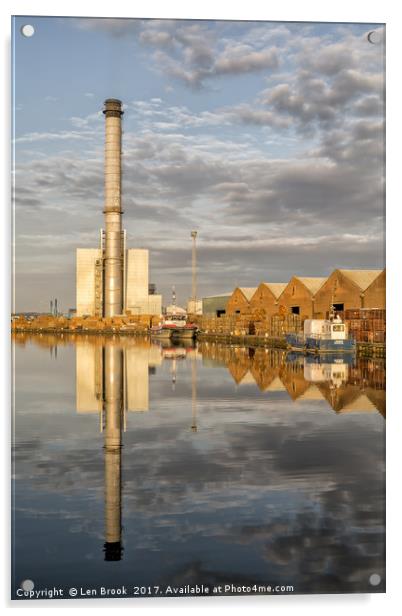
x: 374, y: 579
x: 27, y: 30
x: 27, y: 585
x: 374, y: 37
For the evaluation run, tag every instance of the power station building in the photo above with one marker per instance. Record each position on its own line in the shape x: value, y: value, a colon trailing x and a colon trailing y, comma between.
x: 112, y: 280
x: 138, y: 297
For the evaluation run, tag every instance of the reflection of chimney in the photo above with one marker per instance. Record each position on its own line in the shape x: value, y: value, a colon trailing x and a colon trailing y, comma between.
x: 113, y: 408
x: 113, y: 285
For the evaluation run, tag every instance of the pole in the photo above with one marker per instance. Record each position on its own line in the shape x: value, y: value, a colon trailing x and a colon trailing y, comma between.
x: 194, y: 271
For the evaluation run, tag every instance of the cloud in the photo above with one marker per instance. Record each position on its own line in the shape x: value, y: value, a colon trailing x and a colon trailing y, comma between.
x: 192, y: 54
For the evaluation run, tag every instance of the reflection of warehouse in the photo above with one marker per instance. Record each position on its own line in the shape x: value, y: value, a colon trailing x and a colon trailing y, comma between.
x: 347, y: 388
x: 138, y: 296
x: 138, y: 362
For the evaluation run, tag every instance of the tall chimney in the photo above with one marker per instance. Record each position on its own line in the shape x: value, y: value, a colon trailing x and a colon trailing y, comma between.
x: 113, y: 286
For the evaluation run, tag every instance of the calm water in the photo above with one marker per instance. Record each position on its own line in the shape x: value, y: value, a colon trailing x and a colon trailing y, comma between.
x: 142, y: 465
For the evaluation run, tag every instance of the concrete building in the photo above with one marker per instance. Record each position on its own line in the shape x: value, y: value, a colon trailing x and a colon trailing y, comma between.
x: 215, y: 305
x: 265, y: 299
x: 136, y: 297
x: 299, y: 295
x: 347, y: 289
x: 194, y: 306
x: 88, y: 285
x: 239, y: 301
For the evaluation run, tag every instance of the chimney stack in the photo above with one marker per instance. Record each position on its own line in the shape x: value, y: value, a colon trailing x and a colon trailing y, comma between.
x: 113, y: 270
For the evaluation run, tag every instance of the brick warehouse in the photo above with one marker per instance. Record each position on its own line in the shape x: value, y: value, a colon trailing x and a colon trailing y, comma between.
x: 348, y: 289
x: 239, y: 302
x: 299, y: 295
x: 265, y: 299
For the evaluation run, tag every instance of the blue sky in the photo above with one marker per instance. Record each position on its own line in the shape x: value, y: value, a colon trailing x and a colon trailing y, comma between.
x: 266, y: 137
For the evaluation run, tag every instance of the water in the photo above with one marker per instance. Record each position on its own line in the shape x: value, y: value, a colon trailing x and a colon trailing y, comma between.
x: 228, y: 466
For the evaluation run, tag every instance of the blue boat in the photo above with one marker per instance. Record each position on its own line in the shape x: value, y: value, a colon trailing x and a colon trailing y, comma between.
x: 322, y: 336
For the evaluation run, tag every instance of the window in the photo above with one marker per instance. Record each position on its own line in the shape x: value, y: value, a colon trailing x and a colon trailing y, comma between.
x: 295, y: 309
x: 219, y: 313
x: 339, y: 307
x: 237, y: 311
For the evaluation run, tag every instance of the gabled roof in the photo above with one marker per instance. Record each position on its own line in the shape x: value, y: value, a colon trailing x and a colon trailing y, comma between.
x: 276, y: 288
x: 360, y: 404
x: 276, y: 385
x: 311, y: 393
x: 312, y: 284
x: 361, y: 278
x: 248, y: 292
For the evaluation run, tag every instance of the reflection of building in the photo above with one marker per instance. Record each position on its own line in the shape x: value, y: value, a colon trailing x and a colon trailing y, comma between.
x: 347, y: 385
x: 138, y: 360
x: 112, y: 377
x: 88, y: 378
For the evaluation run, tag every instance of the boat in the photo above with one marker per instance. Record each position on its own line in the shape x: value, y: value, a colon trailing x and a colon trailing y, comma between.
x: 322, y: 336
x: 174, y: 326
x: 160, y: 331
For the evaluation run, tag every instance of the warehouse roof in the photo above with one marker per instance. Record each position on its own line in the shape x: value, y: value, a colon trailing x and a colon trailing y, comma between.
x: 217, y: 295
x: 312, y: 284
x: 362, y: 278
x: 248, y: 292
x: 276, y: 288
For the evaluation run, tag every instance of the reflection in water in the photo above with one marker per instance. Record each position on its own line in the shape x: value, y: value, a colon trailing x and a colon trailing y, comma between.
x: 346, y: 383
x: 113, y: 412
x: 244, y: 490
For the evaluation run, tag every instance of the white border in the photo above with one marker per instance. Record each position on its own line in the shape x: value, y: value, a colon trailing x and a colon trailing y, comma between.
x: 291, y: 10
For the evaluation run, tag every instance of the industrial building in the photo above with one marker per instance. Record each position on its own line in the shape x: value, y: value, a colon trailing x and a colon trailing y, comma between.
x: 298, y: 297
x: 265, y: 299
x: 138, y: 296
x: 215, y: 305
x: 112, y: 280
x: 348, y: 289
x: 239, y: 301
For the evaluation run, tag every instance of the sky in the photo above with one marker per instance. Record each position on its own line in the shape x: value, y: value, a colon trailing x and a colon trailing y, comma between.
x: 265, y: 137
